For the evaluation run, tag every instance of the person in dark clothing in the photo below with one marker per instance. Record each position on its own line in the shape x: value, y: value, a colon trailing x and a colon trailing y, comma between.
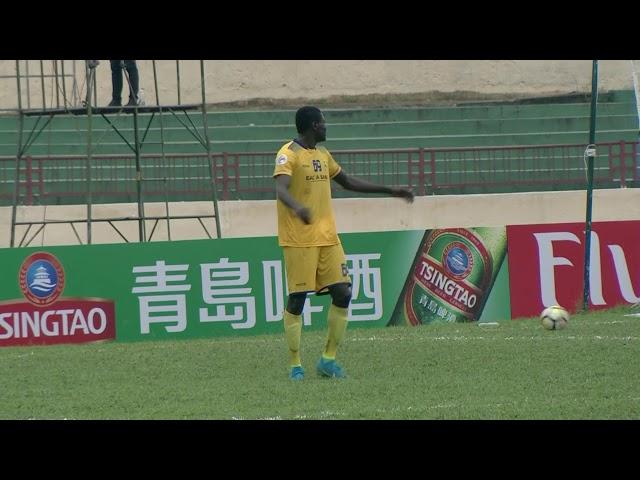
x: 116, y: 79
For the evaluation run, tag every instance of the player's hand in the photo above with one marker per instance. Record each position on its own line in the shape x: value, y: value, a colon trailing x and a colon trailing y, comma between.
x: 304, y: 214
x: 403, y: 193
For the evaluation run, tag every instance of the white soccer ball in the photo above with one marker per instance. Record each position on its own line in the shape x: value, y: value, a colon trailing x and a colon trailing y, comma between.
x: 554, y: 317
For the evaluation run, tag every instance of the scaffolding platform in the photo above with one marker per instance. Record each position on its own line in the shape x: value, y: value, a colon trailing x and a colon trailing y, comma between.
x: 33, y: 112
x: 111, y: 115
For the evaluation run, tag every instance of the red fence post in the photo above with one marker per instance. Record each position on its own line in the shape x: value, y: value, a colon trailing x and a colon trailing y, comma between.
x: 410, y: 170
x: 40, y: 172
x: 634, y: 150
x: 421, y: 175
x: 28, y: 181
x: 214, y: 172
x: 434, y: 183
x: 236, y: 168
x: 623, y: 169
x: 225, y: 176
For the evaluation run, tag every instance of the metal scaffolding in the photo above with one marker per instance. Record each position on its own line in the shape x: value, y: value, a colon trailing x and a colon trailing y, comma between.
x: 73, y: 103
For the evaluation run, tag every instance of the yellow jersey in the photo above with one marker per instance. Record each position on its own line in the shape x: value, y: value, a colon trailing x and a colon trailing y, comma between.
x: 311, y: 171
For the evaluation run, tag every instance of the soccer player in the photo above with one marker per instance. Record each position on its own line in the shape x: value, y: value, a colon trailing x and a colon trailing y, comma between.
x: 313, y: 255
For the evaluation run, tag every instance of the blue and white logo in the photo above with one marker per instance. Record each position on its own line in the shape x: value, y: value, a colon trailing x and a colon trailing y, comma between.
x: 42, y: 278
x: 458, y: 260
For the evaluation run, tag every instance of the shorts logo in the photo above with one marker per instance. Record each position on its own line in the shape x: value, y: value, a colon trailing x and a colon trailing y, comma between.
x: 41, y: 278
x: 345, y: 270
x: 282, y: 159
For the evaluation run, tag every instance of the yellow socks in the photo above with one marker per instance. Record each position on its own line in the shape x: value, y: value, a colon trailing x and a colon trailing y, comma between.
x: 337, y: 321
x: 292, y: 332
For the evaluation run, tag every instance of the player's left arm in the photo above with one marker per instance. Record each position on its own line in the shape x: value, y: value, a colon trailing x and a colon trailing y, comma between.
x: 355, y: 184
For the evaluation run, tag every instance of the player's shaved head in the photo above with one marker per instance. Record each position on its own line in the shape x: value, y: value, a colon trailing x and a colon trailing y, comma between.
x: 305, y: 116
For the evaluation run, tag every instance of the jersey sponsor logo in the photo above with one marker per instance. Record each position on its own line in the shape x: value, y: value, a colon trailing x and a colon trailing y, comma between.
x: 316, y: 178
x: 282, y: 159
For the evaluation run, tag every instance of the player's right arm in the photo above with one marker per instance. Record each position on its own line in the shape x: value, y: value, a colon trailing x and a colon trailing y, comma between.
x: 283, y: 195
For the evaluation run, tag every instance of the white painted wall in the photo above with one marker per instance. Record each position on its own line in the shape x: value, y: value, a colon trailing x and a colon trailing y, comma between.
x: 258, y: 218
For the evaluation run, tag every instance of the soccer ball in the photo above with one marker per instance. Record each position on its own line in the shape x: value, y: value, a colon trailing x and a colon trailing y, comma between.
x: 554, y: 317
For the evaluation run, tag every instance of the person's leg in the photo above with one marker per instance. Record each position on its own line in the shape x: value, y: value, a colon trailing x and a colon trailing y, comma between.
x: 116, y: 83
x: 300, y: 265
x: 333, y: 276
x: 337, y: 318
x: 134, y: 80
x: 293, y: 327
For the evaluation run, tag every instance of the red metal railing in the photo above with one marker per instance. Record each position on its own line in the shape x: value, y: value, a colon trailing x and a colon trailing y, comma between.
x: 63, y: 179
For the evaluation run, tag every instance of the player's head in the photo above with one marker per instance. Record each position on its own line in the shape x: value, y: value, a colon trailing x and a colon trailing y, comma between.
x: 310, y: 119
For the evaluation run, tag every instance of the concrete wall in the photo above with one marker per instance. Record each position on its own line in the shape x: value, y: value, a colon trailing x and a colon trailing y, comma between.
x: 242, y: 80
x: 258, y: 218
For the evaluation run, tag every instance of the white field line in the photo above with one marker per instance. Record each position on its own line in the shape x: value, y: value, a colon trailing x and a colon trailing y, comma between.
x: 411, y: 408
x: 463, y: 338
x: 446, y: 406
x: 50, y: 418
x: 607, y: 322
x: 161, y: 345
x: 322, y: 415
x: 21, y: 355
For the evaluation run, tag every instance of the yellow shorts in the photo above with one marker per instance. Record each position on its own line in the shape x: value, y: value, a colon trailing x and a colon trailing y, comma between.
x: 313, y: 269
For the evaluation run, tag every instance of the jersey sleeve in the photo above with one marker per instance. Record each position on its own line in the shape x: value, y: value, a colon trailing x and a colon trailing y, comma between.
x: 285, y: 161
x: 334, y: 167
